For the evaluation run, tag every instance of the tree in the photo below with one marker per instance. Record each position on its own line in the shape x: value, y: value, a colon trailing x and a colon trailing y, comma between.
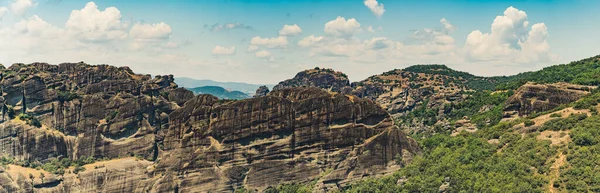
x: 31, y: 177
x: 24, y: 102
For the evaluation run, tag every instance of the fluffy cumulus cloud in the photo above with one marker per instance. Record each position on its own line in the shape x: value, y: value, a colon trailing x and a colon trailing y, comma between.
x: 89, y: 34
x: 290, y: 30
x: 342, y: 28
x: 150, y: 31
x: 219, y: 50
x: 375, y: 7
x: 20, y: 7
x: 91, y: 24
x: 151, y: 35
x: 277, y: 42
x: 510, y: 39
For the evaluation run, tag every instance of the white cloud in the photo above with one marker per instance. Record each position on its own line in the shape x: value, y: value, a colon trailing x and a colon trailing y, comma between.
x: 341, y: 27
x: 354, y: 49
x: 378, y: 43
x: 447, y: 25
x: 91, y: 24
x: 263, y: 54
x: 510, y: 40
x: 280, y: 41
x: 171, y: 45
x: 219, y: 50
x: 370, y: 29
x: 375, y: 7
x: 429, y: 42
x: 310, y: 40
x: 3, y: 11
x: 290, y: 30
x: 252, y: 48
x: 150, y: 31
x: 151, y: 36
x: 227, y: 26
x: 20, y: 7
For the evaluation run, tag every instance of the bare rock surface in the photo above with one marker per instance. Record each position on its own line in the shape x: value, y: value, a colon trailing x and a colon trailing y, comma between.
x: 182, y: 142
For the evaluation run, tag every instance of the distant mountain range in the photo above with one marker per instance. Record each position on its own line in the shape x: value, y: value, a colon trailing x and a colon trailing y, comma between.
x: 220, y: 92
x: 246, y: 88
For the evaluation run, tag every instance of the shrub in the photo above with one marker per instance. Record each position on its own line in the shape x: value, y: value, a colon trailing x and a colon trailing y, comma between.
x: 78, y: 169
x: 67, y: 96
x: 529, y: 122
x: 584, y: 139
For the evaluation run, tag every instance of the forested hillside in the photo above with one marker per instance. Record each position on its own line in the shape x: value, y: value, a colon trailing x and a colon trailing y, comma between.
x: 553, y: 150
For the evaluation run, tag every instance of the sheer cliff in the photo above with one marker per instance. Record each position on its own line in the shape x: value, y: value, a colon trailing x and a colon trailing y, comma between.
x: 138, y: 133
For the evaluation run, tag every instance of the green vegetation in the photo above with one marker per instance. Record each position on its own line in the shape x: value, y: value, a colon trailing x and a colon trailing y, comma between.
x: 582, y: 173
x: 290, y: 188
x: 554, y: 115
x: 65, y: 96
x: 472, y: 164
x: 471, y: 81
x: 427, y: 115
x: 55, y: 165
x: 283, y: 188
x: 561, y: 124
x: 585, y: 72
x: 111, y: 115
x: 30, y: 120
x: 529, y: 122
x: 483, y: 108
x: 588, y: 101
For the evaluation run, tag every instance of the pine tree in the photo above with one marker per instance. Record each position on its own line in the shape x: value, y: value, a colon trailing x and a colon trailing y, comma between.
x: 24, y: 102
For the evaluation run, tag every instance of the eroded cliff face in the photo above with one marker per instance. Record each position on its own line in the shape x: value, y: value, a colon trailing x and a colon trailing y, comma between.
x: 532, y: 97
x: 91, y: 111
x: 327, y: 79
x: 187, y: 143
x: 398, y: 91
x: 293, y: 135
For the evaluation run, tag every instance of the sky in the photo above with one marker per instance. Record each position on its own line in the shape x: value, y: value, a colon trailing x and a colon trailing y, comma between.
x: 266, y: 41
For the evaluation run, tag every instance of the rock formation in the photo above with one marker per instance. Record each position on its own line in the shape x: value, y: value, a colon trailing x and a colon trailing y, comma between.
x: 397, y: 91
x: 187, y: 143
x: 318, y: 77
x: 261, y: 91
x: 533, y: 97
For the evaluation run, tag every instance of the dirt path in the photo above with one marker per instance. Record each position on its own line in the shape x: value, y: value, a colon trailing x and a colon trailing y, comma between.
x: 555, y: 171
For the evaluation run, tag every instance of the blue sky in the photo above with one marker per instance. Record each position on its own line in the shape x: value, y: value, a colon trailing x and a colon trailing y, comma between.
x: 244, y: 40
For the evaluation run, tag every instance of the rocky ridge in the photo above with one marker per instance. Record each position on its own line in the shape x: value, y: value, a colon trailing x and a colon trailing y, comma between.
x: 399, y: 92
x: 532, y: 97
x: 186, y: 143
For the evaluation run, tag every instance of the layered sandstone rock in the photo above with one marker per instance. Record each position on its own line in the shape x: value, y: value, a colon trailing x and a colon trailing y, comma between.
x: 533, y: 97
x: 290, y: 136
x: 318, y: 77
x: 398, y: 92
x: 187, y: 143
x: 90, y: 111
